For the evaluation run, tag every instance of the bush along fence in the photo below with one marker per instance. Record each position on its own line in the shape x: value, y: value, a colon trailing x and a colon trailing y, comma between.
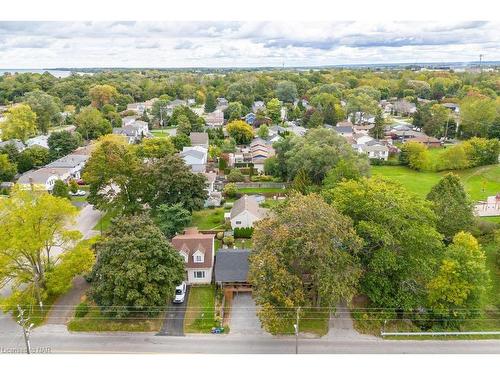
x: 243, y: 232
x: 258, y: 185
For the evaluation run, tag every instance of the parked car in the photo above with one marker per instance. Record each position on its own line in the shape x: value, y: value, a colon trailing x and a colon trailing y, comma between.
x: 78, y: 193
x: 180, y: 293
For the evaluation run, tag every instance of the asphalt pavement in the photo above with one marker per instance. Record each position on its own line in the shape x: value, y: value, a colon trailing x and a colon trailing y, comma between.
x: 174, y: 318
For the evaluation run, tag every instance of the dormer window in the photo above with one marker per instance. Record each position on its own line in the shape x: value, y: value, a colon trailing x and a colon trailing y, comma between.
x: 198, y: 257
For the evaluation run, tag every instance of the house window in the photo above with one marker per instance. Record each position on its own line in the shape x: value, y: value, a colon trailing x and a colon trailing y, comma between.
x: 238, y: 222
x: 199, y: 274
x: 198, y: 259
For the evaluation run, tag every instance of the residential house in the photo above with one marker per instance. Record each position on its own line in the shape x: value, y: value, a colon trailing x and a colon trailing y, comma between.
x: 222, y: 104
x: 430, y: 142
x: 43, y: 179
x: 231, y: 270
x: 250, y: 118
x: 127, y: 120
x: 199, y: 139
x: 174, y: 104
x: 41, y: 140
x: 141, y: 107
x: 452, y: 107
x: 134, y: 131
x: 373, y: 149
x: 20, y: 147
x: 258, y: 106
x: 260, y: 150
x: 197, y: 249
x: 245, y: 212
x: 195, y: 157
x: 214, y: 119
x: 74, y: 162
x: 345, y: 131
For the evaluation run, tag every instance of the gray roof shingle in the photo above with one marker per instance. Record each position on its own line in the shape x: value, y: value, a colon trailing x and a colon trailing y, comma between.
x: 231, y: 265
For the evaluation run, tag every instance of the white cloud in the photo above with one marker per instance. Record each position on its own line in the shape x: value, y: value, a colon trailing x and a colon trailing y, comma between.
x: 180, y: 44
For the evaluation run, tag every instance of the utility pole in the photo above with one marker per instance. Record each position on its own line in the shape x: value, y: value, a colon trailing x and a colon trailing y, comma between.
x: 296, y: 327
x: 26, y: 326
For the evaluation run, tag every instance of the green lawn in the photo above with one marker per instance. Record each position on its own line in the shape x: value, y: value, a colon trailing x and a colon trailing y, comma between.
x: 200, y: 312
x: 105, y: 220
x: 93, y: 321
x: 160, y: 133
x: 260, y: 190
x: 208, y: 218
x: 479, y: 182
x: 313, y: 321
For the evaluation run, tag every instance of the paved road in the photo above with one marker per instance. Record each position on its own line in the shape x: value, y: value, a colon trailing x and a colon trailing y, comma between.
x: 174, y: 319
x: 60, y: 341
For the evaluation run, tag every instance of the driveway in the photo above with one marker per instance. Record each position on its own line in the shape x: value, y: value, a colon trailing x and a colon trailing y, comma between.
x: 243, y: 319
x: 174, y: 318
x: 62, y: 310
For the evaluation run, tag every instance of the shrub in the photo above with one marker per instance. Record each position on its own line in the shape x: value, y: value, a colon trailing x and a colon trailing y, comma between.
x: 235, y: 175
x: 243, y: 232
x: 219, y: 235
x: 229, y: 241
x: 81, y: 310
x: 230, y: 190
x: 60, y: 189
x: 261, y: 178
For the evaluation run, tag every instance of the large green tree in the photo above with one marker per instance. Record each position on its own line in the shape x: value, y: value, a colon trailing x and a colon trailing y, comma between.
x: 46, y: 107
x: 112, y: 172
x: 137, y: 269
x: 169, y: 181
x: 401, y: 244
x: 457, y: 291
x: 240, y: 131
x: 63, y: 142
x: 171, y: 219
x: 32, y: 226
x: 305, y: 254
x: 91, y: 124
x: 317, y: 152
x: 19, y: 123
x: 477, y: 114
x: 452, y: 206
x: 7, y: 169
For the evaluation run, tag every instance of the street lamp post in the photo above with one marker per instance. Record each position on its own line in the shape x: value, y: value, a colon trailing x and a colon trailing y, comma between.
x: 296, y: 328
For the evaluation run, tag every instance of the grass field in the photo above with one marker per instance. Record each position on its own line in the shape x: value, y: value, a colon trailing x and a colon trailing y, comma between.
x: 200, y: 312
x: 260, y: 190
x: 105, y: 220
x: 93, y: 321
x: 479, y: 182
x: 208, y: 218
x: 161, y: 133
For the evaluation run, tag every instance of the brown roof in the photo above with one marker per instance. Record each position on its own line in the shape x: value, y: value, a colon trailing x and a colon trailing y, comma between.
x: 190, y: 242
x: 198, y: 138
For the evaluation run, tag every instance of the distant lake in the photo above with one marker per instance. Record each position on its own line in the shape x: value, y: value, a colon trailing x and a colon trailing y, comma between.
x: 54, y: 72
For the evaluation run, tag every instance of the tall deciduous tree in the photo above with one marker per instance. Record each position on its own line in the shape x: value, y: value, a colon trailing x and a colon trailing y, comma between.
x: 477, y: 114
x: 102, y: 94
x: 7, y: 169
x: 19, y: 123
x: 240, y: 131
x: 304, y: 255
x: 401, y: 244
x: 286, y: 91
x: 273, y: 108
x: 62, y: 143
x: 137, y: 269
x: 458, y: 289
x: 155, y: 148
x: 452, y: 206
x: 171, y: 219
x: 169, y: 181
x: 46, y: 107
x: 91, y: 124
x: 32, y: 225
x: 112, y: 172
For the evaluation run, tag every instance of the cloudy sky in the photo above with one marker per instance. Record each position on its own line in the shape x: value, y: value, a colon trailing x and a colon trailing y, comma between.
x: 242, y: 44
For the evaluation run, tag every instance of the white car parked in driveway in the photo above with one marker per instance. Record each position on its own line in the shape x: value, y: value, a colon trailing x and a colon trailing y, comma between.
x: 180, y: 293
x: 78, y: 193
